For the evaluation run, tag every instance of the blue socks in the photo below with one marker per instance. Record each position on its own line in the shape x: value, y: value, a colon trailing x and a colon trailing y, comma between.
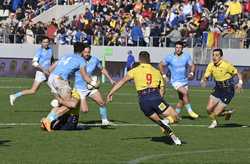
x: 178, y: 110
x: 18, y: 94
x: 52, y: 116
x: 103, y: 113
x: 189, y: 108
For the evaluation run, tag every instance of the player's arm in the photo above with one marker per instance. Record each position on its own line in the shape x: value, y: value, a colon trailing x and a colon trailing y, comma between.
x: 192, y: 70
x: 162, y: 70
x: 52, y: 67
x: 117, y: 86
x: 232, y: 70
x: 87, y: 78
x: 35, y: 63
x: 206, y: 75
x: 105, y: 72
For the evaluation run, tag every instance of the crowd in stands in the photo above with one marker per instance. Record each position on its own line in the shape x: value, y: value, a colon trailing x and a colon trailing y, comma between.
x: 139, y: 23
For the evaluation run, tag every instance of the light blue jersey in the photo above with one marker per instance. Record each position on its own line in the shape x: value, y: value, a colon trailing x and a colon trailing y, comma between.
x: 178, y: 67
x: 92, y: 64
x: 43, y: 57
x: 69, y: 64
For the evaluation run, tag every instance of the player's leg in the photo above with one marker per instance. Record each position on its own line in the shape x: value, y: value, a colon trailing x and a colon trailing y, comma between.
x: 184, y: 96
x: 165, y: 125
x: 39, y: 78
x: 97, y: 97
x: 179, y: 106
x: 218, y: 109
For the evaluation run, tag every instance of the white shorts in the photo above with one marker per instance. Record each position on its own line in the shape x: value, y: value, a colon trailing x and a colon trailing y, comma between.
x: 177, y: 85
x: 217, y: 100
x: 58, y: 86
x: 86, y: 93
x: 40, y: 77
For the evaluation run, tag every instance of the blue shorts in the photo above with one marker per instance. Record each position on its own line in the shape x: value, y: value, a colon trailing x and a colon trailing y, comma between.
x: 151, y: 103
x: 66, y: 122
x: 225, y: 94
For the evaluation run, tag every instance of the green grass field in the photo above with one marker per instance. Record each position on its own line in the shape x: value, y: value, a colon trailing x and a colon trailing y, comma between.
x: 135, y: 139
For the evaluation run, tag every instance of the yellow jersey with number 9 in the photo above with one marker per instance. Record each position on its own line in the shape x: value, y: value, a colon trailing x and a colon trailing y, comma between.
x: 146, y: 76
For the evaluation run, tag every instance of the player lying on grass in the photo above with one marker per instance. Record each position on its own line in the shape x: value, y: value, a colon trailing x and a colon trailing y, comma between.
x: 223, y: 72
x: 150, y: 88
x: 68, y: 120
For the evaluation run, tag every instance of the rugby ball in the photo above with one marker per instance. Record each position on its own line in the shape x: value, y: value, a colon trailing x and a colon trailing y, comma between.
x: 54, y: 103
x: 95, y: 83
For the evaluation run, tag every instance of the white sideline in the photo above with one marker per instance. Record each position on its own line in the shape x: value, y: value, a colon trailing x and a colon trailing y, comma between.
x: 119, y: 125
x: 150, y: 157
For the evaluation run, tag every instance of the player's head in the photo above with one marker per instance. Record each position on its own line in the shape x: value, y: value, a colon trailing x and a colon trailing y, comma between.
x: 179, y: 47
x: 78, y: 48
x: 86, y: 51
x: 144, y: 57
x: 45, y: 42
x: 217, y: 55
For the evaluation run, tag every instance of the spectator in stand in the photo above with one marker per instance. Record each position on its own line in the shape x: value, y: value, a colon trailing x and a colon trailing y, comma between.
x: 234, y: 10
x: 137, y: 35
x: 51, y: 29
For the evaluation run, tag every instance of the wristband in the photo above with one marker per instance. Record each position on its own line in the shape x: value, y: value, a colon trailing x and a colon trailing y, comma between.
x: 191, y: 73
x: 240, y: 82
x: 164, y: 76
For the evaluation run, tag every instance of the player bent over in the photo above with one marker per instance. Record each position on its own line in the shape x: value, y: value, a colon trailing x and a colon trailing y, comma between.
x: 67, y: 121
x: 150, y: 88
x: 59, y: 84
x: 223, y: 73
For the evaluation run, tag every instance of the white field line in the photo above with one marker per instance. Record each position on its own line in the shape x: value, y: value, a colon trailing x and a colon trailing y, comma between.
x: 155, y: 156
x: 118, y: 125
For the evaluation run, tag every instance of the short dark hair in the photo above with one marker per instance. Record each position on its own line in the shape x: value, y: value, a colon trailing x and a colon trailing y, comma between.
x: 86, y: 45
x: 179, y: 43
x: 78, y: 47
x: 45, y: 37
x: 144, y: 57
x: 219, y: 50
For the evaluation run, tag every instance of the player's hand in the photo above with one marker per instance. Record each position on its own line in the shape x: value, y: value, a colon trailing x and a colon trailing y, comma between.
x: 238, y: 87
x: 190, y: 76
x: 165, y: 78
x: 109, y: 98
x: 203, y: 83
x: 113, y: 82
x: 46, y: 72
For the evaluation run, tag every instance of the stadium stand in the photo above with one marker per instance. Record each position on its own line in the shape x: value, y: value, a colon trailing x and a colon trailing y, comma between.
x: 132, y: 23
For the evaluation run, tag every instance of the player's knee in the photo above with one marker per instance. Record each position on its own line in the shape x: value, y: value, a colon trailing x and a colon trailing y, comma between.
x: 209, y: 110
x: 32, y: 91
x: 84, y: 110
x: 101, y: 103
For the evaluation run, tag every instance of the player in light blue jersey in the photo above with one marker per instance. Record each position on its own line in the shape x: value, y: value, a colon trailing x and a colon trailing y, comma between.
x: 41, y: 61
x: 58, y: 82
x: 179, y: 64
x: 80, y: 86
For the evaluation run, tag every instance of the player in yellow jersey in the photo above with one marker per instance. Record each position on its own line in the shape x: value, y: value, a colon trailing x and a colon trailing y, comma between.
x: 223, y: 73
x: 150, y: 88
x: 69, y: 120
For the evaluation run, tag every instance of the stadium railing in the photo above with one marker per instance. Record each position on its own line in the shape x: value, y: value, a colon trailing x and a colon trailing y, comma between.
x: 162, y: 41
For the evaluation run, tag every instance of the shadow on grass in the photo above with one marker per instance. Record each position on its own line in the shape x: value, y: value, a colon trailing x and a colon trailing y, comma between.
x: 233, y: 125
x: 4, y: 142
x: 29, y: 111
x: 190, y: 118
x: 6, y: 127
x: 162, y: 139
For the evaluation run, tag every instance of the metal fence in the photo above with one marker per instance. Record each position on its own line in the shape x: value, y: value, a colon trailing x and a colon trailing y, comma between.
x: 162, y: 41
